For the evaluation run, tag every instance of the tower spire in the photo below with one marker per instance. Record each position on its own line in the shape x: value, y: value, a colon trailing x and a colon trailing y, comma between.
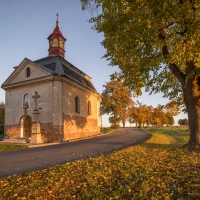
x: 56, y: 42
x: 57, y: 19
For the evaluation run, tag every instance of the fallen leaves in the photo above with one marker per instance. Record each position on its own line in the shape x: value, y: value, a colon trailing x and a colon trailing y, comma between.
x: 155, y: 169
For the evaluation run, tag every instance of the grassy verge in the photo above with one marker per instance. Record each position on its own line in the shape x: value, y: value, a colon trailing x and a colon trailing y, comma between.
x: 159, y: 168
x: 6, y: 147
x: 106, y: 130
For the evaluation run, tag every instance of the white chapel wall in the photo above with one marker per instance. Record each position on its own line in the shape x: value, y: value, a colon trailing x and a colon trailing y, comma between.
x: 34, y: 73
x: 69, y: 94
x: 14, y: 102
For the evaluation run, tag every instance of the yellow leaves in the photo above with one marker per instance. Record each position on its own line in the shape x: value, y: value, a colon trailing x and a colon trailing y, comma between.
x: 161, y: 139
x: 155, y: 169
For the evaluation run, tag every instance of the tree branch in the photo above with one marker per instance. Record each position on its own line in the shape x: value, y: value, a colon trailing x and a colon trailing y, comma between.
x: 177, y: 73
x: 173, y: 67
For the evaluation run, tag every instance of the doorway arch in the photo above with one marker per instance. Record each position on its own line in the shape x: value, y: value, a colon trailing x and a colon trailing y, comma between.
x: 25, y: 126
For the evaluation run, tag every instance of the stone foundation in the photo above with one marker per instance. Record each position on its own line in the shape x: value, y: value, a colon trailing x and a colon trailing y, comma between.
x: 73, y: 127
x: 51, y: 133
x: 79, y: 127
x: 13, y: 131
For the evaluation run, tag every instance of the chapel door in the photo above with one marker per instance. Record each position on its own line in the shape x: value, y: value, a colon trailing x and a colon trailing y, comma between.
x: 27, y: 127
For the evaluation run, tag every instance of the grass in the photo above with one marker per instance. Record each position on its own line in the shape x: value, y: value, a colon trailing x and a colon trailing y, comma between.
x: 159, y: 168
x: 106, y: 130
x: 7, y: 147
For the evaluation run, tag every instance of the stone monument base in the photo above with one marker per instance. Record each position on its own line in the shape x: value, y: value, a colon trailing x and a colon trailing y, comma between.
x: 36, y: 138
x: 36, y: 135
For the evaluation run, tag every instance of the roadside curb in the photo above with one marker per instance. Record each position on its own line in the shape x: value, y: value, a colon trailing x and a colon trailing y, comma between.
x: 67, y: 141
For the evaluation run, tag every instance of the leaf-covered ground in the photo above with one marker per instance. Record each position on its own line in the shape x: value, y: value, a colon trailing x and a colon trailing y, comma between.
x: 159, y: 168
x: 6, y: 147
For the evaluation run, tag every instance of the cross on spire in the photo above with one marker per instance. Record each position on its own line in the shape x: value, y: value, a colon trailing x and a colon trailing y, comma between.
x: 57, y: 19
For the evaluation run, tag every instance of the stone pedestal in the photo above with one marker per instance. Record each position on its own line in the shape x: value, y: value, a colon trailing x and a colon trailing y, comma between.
x: 36, y: 134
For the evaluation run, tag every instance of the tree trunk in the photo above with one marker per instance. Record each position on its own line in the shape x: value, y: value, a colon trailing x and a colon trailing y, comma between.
x: 192, y: 100
x: 123, y: 123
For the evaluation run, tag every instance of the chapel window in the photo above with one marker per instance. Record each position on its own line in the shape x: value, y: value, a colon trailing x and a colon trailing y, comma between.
x: 26, y: 101
x: 77, y: 104
x: 61, y: 44
x: 28, y: 72
x: 55, y: 43
x: 89, y: 108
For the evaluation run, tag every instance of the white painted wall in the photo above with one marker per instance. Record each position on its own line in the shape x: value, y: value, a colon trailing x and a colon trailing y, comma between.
x: 14, y: 102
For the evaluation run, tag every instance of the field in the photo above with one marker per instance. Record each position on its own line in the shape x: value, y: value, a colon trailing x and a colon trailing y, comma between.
x: 160, y: 168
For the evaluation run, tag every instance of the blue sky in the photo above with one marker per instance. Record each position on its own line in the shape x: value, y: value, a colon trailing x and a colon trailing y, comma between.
x: 25, y: 26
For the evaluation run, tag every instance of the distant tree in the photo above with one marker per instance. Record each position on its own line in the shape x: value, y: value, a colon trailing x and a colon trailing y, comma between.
x: 170, y: 119
x: 2, y: 116
x: 183, y: 122
x: 143, y: 115
x: 186, y: 122
x: 116, y: 100
x: 149, y: 115
x: 158, y: 115
x: 134, y: 115
x: 171, y: 111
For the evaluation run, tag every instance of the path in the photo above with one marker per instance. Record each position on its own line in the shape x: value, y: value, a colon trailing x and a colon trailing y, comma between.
x: 26, y: 160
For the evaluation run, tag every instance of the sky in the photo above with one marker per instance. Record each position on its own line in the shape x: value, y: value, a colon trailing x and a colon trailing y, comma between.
x: 26, y: 25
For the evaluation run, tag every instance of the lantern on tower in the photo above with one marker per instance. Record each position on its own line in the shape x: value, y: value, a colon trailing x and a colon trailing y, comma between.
x: 56, y: 42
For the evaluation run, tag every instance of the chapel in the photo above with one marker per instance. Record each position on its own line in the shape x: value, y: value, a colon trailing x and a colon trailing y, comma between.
x: 61, y: 95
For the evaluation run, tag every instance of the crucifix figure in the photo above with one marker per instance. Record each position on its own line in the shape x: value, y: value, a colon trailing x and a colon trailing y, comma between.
x: 35, y: 97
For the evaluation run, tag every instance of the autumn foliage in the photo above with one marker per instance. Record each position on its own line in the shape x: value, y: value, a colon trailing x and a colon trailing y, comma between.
x: 117, y: 101
x: 159, y: 168
x: 156, y: 45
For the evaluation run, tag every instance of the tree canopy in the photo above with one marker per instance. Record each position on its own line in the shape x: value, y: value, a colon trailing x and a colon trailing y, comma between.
x: 155, y: 44
x: 116, y: 100
x: 183, y: 122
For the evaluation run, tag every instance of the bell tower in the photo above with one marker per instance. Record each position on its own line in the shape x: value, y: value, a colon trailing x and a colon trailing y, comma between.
x: 56, y: 42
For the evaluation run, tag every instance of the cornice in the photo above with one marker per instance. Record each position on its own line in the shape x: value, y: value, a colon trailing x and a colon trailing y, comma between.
x: 74, y: 83
x: 27, y: 82
x: 53, y: 77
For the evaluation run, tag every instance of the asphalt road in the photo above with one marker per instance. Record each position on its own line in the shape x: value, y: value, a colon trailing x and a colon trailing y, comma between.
x: 26, y: 160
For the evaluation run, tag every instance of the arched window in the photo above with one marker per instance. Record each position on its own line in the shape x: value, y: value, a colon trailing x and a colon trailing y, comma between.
x: 61, y: 44
x: 28, y: 72
x: 55, y: 43
x: 77, y: 104
x: 89, y: 108
x: 26, y: 101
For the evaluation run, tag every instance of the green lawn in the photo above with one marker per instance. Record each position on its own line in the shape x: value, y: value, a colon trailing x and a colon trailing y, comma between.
x: 106, y: 130
x: 6, y: 147
x: 160, y: 168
